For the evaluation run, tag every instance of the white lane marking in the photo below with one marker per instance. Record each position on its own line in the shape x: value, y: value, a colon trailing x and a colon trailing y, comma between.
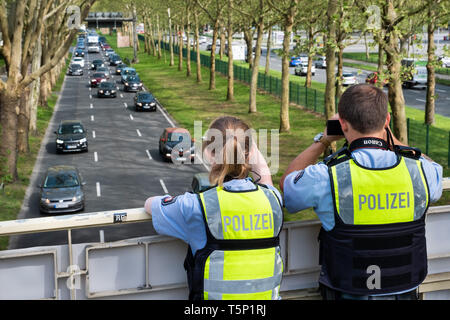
x: 165, y: 116
x: 131, y: 117
x: 421, y: 100
x: 90, y: 88
x: 125, y: 104
x: 98, y: 189
x: 148, y: 154
x: 93, y: 134
x: 91, y: 106
x: 163, y: 186
x: 90, y: 96
x: 92, y: 118
x: 447, y: 98
x: 95, y: 157
x: 139, y: 133
x: 121, y: 95
x: 440, y: 90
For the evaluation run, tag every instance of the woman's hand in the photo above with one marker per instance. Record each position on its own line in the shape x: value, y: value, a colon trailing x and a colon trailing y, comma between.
x: 259, y: 165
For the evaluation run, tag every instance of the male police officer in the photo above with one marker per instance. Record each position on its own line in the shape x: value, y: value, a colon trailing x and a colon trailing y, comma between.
x: 371, y: 198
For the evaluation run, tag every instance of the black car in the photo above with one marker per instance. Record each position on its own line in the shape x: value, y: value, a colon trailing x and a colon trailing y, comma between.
x: 96, y: 64
x: 61, y: 190
x: 132, y: 83
x: 75, y: 70
x: 106, y: 89
x: 115, y: 60
x: 120, y: 67
x: 71, y: 136
x: 144, y: 101
x: 175, y: 144
x: 79, y: 52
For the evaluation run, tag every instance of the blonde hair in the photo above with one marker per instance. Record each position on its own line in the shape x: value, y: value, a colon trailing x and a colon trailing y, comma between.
x: 233, y: 150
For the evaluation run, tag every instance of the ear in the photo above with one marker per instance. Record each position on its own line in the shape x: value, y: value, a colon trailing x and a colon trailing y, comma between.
x: 388, y: 120
x: 344, y: 125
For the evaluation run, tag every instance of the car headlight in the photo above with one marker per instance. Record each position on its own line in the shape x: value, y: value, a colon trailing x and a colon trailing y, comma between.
x: 126, y: 83
x: 58, y: 141
x: 113, y: 91
x: 45, y: 200
x: 92, y: 65
x: 76, y: 198
x: 83, y: 140
x: 139, y: 104
x: 118, y: 70
x: 152, y: 104
x: 101, y: 91
x: 140, y: 83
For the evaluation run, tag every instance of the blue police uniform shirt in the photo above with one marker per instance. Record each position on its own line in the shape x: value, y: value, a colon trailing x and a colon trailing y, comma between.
x: 310, y: 188
x: 181, y: 216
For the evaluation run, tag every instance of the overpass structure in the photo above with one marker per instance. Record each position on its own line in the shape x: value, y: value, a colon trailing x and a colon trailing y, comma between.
x: 107, y: 20
x: 152, y: 267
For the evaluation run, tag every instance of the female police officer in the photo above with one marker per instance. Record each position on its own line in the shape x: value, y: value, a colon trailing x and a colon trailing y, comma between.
x: 232, y: 228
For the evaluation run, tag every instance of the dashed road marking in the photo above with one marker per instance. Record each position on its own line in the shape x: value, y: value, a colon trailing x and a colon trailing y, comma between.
x: 139, y: 133
x: 148, y: 154
x: 97, y: 185
x: 163, y: 186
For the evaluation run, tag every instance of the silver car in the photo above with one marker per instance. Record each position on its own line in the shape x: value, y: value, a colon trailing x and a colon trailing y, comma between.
x: 61, y: 190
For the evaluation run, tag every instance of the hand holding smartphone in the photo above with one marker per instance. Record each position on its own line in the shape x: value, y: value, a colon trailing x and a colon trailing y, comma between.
x: 334, y: 128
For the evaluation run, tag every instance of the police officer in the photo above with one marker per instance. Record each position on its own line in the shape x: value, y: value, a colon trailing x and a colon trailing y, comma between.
x: 232, y: 228
x: 371, y: 197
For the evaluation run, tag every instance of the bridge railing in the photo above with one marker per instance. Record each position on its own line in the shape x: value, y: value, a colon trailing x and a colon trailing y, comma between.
x: 152, y: 267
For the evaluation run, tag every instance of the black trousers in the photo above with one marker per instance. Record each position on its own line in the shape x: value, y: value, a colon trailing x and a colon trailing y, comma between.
x: 331, y: 294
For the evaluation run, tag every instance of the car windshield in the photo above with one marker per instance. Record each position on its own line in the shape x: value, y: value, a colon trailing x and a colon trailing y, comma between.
x: 99, y: 75
x: 178, y: 137
x: 146, y: 96
x: 106, y: 85
x: 61, y: 180
x: 70, y: 128
x: 131, y: 72
x: 346, y: 75
x: 75, y: 66
x: 133, y: 78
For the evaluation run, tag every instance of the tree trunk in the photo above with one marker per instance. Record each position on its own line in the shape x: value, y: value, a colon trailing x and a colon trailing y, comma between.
x: 431, y: 81
x: 23, y: 123
x: 269, y: 44
x: 248, y: 37
x: 330, y: 88
x: 230, y: 75
x: 284, y: 110
x: 180, y: 48
x: 366, y: 46
x: 212, y: 75
x: 188, y: 46
x: 172, y: 62
x: 310, y: 57
x: 255, y: 67
x: 34, y: 94
x: 340, y: 72
x: 159, y: 37
x: 197, y: 51
x: 8, y: 138
x: 222, y: 41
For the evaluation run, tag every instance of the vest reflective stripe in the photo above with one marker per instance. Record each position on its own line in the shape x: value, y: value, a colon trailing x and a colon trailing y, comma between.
x: 359, y: 199
x: 242, y: 273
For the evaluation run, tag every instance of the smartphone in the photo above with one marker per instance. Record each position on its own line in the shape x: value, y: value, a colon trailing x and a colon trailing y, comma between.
x: 334, y: 128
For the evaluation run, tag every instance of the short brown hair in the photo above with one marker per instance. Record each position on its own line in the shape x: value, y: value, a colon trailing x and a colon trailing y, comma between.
x: 365, y: 107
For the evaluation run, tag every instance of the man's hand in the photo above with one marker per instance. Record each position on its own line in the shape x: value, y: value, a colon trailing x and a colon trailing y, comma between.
x: 331, y: 138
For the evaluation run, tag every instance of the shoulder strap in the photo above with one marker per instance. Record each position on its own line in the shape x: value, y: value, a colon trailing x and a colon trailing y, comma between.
x: 339, y: 156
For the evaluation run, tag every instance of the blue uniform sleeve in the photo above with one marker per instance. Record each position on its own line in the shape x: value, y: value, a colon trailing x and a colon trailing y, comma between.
x: 310, y: 188
x: 434, y: 176
x: 180, y: 217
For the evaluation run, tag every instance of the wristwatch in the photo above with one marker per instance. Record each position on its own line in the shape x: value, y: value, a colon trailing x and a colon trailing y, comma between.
x: 320, y: 138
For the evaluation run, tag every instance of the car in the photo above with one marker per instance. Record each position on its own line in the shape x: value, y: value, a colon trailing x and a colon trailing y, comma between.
x: 97, y: 63
x: 176, y: 142
x: 348, y: 79
x: 97, y: 78
x: 75, y: 69
x: 94, y: 48
x: 145, y: 101
x: 120, y: 67
x: 106, y: 46
x: 61, y: 190
x: 71, y: 136
x: 202, y: 40
x: 302, y: 69
x: 78, y: 60
x: 372, y: 78
x: 321, y: 62
x: 102, y: 40
x: 106, y: 89
x: 127, y: 72
x: 79, y: 52
x: 109, y: 51
x: 445, y: 62
x: 200, y: 182
x: 105, y: 70
x: 115, y: 60
x: 295, y: 61
x: 132, y: 83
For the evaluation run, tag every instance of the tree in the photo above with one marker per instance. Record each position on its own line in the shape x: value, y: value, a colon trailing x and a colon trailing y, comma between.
x: 330, y: 47
x: 287, y: 10
x: 19, y: 22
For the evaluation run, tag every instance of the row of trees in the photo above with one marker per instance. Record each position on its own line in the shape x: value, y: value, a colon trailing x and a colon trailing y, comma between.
x: 37, y: 35
x: 328, y: 26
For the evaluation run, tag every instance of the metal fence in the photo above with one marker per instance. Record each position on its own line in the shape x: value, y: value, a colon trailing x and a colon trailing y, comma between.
x: 432, y: 141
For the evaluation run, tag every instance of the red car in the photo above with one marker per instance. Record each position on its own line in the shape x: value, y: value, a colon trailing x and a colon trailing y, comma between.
x: 176, y: 143
x: 106, y: 46
x: 372, y: 78
x: 97, y: 78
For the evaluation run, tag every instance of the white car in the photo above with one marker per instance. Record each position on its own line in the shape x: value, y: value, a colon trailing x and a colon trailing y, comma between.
x: 302, y: 69
x: 78, y: 60
x: 202, y: 40
x: 93, y: 48
x: 348, y: 79
x: 321, y: 62
x: 446, y: 62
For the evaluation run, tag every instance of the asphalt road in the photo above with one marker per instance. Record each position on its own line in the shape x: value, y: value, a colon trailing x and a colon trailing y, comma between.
x: 122, y: 168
